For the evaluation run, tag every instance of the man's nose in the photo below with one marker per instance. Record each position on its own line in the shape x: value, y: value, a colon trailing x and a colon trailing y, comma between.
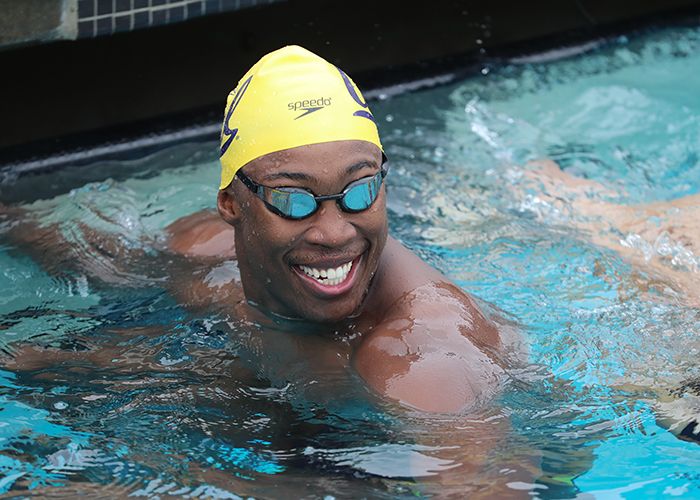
x: 330, y: 226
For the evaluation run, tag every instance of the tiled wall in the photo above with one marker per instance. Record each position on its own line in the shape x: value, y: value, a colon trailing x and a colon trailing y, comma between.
x: 103, y: 17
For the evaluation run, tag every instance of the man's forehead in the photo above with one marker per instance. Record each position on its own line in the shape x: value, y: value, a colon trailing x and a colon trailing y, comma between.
x: 344, y: 157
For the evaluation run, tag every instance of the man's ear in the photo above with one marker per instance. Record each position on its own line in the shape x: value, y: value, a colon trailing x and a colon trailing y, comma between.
x: 229, y: 208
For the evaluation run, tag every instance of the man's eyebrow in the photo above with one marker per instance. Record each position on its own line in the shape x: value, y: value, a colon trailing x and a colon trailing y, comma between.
x: 359, y: 166
x: 301, y: 176
x: 293, y: 176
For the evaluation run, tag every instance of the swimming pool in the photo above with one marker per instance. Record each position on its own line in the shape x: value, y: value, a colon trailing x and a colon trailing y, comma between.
x: 116, y: 389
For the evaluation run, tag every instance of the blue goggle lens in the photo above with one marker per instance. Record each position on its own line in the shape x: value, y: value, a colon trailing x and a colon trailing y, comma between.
x: 297, y: 203
x: 361, y: 197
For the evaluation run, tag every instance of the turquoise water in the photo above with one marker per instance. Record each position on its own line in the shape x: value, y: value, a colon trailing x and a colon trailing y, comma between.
x: 119, y: 390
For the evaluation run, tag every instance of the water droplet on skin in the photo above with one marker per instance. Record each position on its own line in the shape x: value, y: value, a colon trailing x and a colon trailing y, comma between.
x: 389, y: 118
x: 60, y: 405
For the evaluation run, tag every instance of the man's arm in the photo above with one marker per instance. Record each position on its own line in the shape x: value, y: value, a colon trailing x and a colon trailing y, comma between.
x: 434, y: 353
x: 202, y: 234
x: 437, y: 351
x: 633, y: 231
x: 434, y: 349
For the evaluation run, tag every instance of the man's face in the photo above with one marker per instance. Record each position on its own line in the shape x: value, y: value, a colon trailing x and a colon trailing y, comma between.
x: 282, y: 261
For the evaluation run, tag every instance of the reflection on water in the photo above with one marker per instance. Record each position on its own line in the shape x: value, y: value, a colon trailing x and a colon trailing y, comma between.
x: 111, y: 386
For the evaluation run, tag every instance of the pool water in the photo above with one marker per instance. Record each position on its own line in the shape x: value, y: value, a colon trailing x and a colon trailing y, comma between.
x: 113, y: 388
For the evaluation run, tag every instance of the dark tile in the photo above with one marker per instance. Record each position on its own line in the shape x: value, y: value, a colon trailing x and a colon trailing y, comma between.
x: 211, y: 6
x: 104, y: 26
x: 123, y: 5
x: 194, y: 9
x: 157, y: 2
x: 229, y: 5
x: 104, y: 7
x: 159, y: 17
x: 140, y: 4
x: 86, y: 8
x: 122, y: 23
x: 247, y: 3
x: 176, y: 14
x: 142, y: 19
x: 86, y: 28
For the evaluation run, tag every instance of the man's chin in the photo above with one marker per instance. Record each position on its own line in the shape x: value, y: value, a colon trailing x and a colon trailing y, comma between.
x: 329, y: 315
x: 317, y: 311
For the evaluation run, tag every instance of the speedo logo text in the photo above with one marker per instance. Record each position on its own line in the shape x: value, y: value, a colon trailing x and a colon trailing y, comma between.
x: 309, y: 106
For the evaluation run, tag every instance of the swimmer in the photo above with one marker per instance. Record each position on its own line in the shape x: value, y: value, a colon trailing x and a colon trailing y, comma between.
x: 302, y: 208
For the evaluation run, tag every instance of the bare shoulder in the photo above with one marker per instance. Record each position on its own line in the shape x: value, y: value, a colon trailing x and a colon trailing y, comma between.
x: 202, y: 234
x: 436, y: 349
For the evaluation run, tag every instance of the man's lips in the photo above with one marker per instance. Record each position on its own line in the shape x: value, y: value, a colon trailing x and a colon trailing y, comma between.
x: 332, y: 280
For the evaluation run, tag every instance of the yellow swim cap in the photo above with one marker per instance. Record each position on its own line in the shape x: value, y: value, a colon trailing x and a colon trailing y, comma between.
x: 290, y: 98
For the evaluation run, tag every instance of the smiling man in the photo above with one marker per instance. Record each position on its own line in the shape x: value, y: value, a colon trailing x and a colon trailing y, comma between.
x: 303, y: 198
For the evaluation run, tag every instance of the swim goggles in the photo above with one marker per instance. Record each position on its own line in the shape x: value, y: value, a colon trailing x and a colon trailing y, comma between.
x: 299, y: 203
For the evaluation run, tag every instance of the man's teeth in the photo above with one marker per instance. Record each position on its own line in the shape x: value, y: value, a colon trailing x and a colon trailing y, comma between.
x: 332, y: 276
